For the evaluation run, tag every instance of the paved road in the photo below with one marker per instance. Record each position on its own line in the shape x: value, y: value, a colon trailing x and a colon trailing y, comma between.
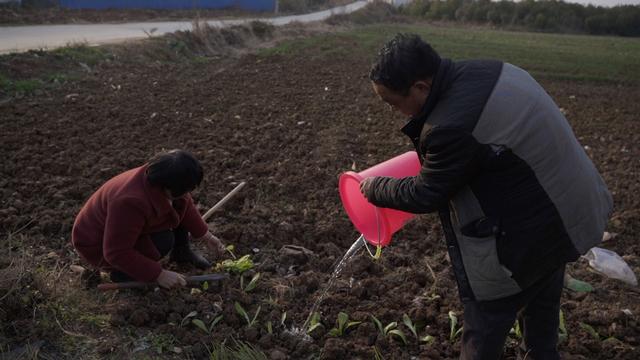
x: 24, y: 38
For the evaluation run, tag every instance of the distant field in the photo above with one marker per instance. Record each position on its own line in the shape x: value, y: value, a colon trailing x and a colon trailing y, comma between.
x: 576, y: 57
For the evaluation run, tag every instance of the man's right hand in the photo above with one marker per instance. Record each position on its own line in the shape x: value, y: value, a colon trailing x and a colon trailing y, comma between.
x: 365, y: 186
x: 168, y: 279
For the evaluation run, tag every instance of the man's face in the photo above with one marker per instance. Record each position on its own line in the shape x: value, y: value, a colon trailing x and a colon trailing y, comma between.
x: 409, y: 104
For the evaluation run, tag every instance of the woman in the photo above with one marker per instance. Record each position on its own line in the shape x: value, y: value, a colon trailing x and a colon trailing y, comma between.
x: 139, y: 216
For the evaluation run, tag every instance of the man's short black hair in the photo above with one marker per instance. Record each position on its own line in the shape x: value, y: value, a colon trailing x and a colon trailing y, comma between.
x: 175, y: 170
x: 402, y: 61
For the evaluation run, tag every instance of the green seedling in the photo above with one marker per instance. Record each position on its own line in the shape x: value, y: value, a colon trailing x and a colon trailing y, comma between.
x: 343, y: 325
x: 269, y: 327
x: 563, y: 334
x: 455, y: 331
x: 283, y: 318
x: 588, y: 328
x: 314, y: 321
x: 576, y: 285
x: 205, y: 286
x: 377, y: 355
x: 229, y: 249
x: 406, y: 320
x: 378, y: 253
x: 201, y: 325
x: 252, y: 283
x: 189, y: 316
x: 428, y: 339
x: 389, y: 330
x: 515, y: 330
x: 250, y: 321
x: 562, y: 327
x: 237, y: 266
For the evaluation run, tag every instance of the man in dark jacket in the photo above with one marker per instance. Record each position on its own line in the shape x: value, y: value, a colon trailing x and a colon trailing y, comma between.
x: 517, y: 195
x: 141, y: 215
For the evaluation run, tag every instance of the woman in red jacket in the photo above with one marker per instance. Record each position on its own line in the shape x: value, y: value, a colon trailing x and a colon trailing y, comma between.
x: 141, y: 215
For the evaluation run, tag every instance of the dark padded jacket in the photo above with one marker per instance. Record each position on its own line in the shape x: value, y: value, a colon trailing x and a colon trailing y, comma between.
x: 516, y: 193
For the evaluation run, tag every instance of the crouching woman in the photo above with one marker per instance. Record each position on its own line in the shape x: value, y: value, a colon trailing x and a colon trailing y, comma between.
x: 139, y: 216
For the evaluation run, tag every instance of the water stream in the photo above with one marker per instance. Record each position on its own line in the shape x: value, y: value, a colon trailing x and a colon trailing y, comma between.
x: 350, y: 254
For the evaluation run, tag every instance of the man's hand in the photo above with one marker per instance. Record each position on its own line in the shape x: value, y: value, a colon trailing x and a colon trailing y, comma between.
x: 168, y: 279
x: 214, y: 244
x: 365, y: 186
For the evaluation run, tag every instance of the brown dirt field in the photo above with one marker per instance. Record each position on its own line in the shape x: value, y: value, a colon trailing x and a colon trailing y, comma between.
x: 288, y: 126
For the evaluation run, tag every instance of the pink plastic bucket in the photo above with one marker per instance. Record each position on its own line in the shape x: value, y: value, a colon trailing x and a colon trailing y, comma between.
x: 377, y: 224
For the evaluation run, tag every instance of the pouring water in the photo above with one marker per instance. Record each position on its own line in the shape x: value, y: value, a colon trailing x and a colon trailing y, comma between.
x: 348, y: 256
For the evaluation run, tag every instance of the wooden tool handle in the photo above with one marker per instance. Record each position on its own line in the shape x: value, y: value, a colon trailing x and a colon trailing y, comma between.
x: 223, y: 201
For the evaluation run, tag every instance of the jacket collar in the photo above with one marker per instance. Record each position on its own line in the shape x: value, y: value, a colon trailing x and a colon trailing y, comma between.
x: 413, y: 128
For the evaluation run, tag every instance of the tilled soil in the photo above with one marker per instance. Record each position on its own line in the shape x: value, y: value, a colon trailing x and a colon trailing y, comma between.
x: 288, y: 126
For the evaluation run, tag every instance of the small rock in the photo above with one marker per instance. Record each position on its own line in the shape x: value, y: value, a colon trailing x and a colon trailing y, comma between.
x: 277, y: 355
x: 607, y: 236
x: 294, y: 255
x: 195, y: 291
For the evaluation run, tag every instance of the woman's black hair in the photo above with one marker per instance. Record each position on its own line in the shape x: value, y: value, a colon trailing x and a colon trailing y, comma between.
x: 175, y: 170
x: 402, y: 61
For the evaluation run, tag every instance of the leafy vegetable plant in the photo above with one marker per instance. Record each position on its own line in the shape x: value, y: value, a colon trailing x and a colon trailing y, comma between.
x: 229, y: 248
x: 563, y: 334
x: 314, y: 322
x: 237, y: 266
x: 588, y: 328
x: 243, y: 313
x: 389, y: 330
x: 408, y: 323
x: 455, y: 331
x: 343, y: 325
x: 199, y: 323
x: 515, y: 330
x: 252, y: 283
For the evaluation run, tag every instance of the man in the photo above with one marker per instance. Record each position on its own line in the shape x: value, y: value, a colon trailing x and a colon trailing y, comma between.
x: 517, y: 196
x: 139, y: 216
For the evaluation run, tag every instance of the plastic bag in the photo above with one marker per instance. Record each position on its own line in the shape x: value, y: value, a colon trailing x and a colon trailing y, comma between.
x: 610, y: 264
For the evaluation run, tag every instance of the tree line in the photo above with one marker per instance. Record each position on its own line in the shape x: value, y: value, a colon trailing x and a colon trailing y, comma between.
x: 546, y: 15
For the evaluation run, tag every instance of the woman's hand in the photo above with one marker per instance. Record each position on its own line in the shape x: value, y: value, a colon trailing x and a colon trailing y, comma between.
x: 214, y: 244
x: 169, y: 279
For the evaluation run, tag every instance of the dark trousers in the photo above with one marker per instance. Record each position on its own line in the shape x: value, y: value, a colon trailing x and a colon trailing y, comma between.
x: 487, y: 323
x: 164, y: 241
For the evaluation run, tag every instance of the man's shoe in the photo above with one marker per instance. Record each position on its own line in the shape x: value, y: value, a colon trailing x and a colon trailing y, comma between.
x: 184, y: 254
